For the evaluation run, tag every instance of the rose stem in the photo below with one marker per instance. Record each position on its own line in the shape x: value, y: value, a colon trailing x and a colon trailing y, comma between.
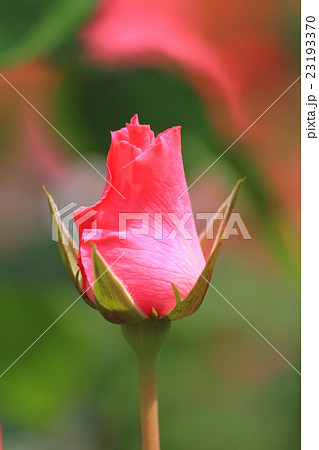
x: 146, y: 339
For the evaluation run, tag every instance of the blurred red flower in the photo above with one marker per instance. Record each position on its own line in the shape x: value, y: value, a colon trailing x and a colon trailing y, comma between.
x: 239, y: 49
x: 148, y: 32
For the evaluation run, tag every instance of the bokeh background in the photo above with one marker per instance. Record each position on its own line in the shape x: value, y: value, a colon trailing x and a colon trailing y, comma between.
x: 213, y: 68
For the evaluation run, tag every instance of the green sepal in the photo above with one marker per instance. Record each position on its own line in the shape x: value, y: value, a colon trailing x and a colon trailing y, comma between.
x: 66, y: 246
x: 65, y: 242
x: 79, y: 286
x: 154, y: 314
x: 112, y: 299
x: 208, y: 245
x: 192, y: 302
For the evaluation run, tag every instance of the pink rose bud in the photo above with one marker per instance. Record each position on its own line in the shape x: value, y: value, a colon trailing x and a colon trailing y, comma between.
x: 139, y: 253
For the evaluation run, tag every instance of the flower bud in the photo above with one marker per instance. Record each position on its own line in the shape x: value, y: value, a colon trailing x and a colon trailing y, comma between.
x: 130, y: 276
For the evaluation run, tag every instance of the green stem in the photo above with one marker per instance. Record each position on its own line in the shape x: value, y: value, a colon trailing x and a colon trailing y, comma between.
x: 146, y: 339
x: 149, y: 407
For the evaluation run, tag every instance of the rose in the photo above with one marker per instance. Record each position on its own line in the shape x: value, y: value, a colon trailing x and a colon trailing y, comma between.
x: 154, y: 268
x: 148, y: 172
x: 143, y: 277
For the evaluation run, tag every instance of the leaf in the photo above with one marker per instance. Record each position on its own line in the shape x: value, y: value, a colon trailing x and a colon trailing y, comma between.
x: 31, y: 28
x: 112, y: 299
x: 194, y: 299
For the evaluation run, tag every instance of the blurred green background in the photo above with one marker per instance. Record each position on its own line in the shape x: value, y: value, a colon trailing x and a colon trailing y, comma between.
x: 89, y: 66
